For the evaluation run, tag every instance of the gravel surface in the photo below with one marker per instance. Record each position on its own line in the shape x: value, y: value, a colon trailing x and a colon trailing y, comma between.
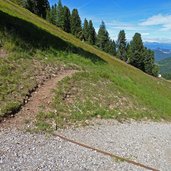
x: 145, y: 142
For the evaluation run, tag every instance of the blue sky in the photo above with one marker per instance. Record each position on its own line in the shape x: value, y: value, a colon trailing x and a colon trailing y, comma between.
x: 151, y: 18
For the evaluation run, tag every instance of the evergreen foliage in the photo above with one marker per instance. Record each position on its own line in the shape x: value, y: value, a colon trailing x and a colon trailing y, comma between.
x: 133, y: 53
x: 53, y: 14
x: 122, y: 46
x: 76, y: 28
x: 148, y: 61
x: 38, y: 7
x: 92, y: 33
x: 67, y: 16
x: 137, y: 52
x: 141, y: 57
x: 60, y: 15
x: 111, y: 47
x: 86, y: 30
x: 102, y: 37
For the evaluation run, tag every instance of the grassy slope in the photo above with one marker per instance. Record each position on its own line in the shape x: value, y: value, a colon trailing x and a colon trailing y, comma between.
x: 111, y: 90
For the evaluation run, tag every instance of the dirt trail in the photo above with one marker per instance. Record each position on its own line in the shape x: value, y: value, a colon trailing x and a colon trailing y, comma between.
x: 42, y: 97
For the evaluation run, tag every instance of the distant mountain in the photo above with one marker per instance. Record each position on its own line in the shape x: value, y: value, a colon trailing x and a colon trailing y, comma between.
x: 156, y: 45
x: 161, y: 54
x: 161, y: 50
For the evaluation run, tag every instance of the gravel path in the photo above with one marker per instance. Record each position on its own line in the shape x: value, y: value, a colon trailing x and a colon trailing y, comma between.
x: 145, y: 142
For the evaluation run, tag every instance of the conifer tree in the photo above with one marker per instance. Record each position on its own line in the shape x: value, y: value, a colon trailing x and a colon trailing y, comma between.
x: 141, y: 57
x: 121, y: 46
x: 92, y: 33
x: 67, y: 16
x: 86, y: 30
x: 148, y: 61
x: 102, y: 37
x: 53, y: 14
x: 39, y: 7
x: 111, y: 47
x: 48, y: 15
x: 76, y: 28
x: 60, y: 15
x: 137, y: 52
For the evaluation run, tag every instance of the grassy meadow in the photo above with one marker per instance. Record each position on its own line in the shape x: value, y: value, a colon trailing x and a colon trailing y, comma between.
x: 104, y: 87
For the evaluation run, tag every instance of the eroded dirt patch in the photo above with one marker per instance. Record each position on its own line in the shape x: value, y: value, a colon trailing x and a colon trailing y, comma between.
x: 42, y: 97
x: 3, y: 53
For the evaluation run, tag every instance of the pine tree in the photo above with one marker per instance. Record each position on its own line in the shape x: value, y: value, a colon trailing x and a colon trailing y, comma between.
x: 39, y: 7
x: 60, y: 15
x: 86, y: 30
x: 53, y: 14
x: 111, y: 47
x: 137, y: 52
x: 76, y: 28
x: 148, y: 61
x: 31, y: 5
x: 141, y: 57
x: 102, y: 37
x: 122, y: 46
x: 48, y: 16
x: 67, y: 16
x: 92, y: 33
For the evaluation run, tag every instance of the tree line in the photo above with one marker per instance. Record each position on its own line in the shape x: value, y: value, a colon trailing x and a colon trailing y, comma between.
x: 132, y: 52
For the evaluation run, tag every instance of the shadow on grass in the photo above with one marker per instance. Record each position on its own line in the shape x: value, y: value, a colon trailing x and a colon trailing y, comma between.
x: 35, y: 37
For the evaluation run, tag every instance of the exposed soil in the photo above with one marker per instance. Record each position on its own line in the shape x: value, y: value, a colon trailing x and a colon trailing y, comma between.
x: 3, y: 53
x: 42, y: 97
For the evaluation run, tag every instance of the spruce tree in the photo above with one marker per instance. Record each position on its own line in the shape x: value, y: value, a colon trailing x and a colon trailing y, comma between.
x: 48, y: 15
x: 53, y: 14
x: 92, y: 33
x: 111, y: 47
x: 137, y: 52
x: 38, y: 7
x: 67, y: 16
x: 141, y: 57
x: 86, y: 30
x: 149, y: 63
x: 102, y: 37
x: 122, y: 46
x: 60, y: 15
x: 76, y: 28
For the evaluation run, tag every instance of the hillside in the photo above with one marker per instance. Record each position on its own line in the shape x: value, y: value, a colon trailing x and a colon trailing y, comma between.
x: 32, y: 50
x: 165, y: 67
x: 161, y: 50
x: 156, y: 45
x: 161, y: 54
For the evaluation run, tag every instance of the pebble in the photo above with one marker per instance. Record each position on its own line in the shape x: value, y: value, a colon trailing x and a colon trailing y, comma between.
x: 144, y: 142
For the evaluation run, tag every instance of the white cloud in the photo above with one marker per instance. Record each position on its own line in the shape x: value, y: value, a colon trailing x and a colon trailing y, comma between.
x: 162, y: 20
x: 160, y: 33
x: 124, y: 26
x: 157, y: 40
x: 145, y: 34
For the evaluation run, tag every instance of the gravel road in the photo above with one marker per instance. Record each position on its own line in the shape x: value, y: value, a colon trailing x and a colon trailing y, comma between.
x: 145, y: 142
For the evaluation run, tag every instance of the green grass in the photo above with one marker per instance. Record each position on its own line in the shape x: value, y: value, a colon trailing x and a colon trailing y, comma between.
x: 105, y: 86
